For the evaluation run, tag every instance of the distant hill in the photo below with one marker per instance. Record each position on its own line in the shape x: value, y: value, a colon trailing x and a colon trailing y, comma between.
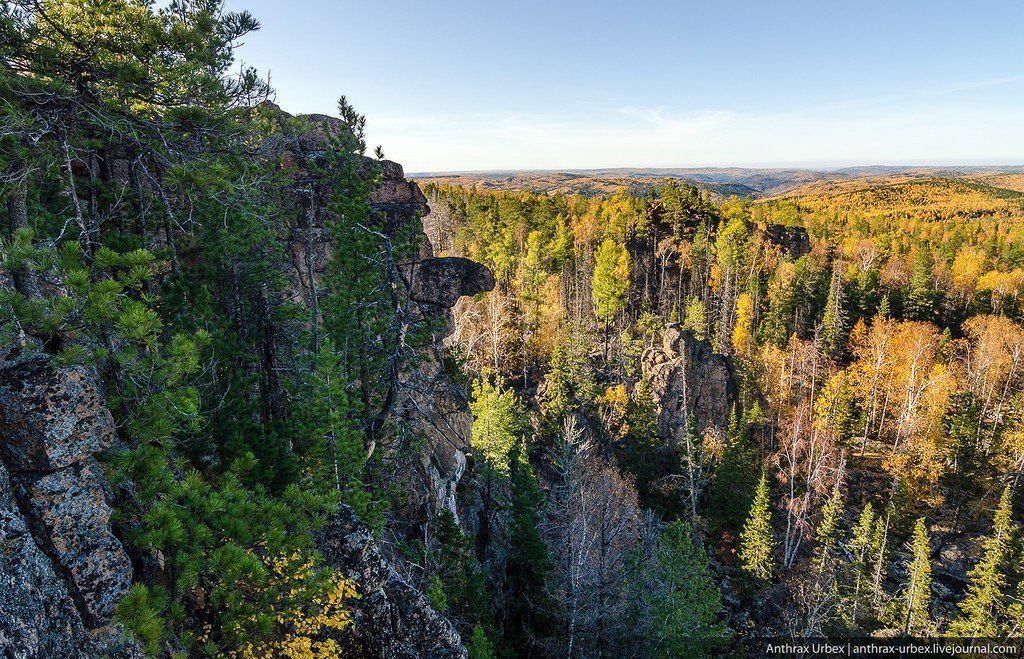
x: 719, y: 181
x: 912, y: 195
x: 587, y: 184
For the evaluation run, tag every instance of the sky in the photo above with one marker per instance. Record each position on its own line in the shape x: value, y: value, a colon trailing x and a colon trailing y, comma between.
x: 454, y: 85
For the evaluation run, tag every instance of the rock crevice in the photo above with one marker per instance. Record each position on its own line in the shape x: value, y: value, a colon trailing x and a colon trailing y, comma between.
x: 688, y: 379
x: 64, y: 570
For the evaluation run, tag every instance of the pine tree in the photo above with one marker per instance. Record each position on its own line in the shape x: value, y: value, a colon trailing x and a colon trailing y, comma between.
x: 480, y: 645
x: 570, y: 385
x: 735, y: 479
x: 610, y: 284
x: 922, y: 298
x: 826, y: 534
x: 862, y: 547
x: 833, y: 324
x: 675, y: 600
x: 982, y: 609
x: 460, y: 579
x: 696, y: 318
x: 757, y: 540
x: 917, y: 596
x: 884, y: 311
x: 528, y: 607
x: 499, y: 421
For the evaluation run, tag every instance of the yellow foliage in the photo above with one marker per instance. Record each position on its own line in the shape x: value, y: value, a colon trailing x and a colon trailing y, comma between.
x: 744, y: 320
x: 311, y: 611
x: 967, y: 268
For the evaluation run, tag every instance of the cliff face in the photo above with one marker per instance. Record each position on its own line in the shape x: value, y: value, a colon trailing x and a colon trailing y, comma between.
x: 392, y: 618
x: 62, y: 568
x: 688, y: 379
x: 429, y: 403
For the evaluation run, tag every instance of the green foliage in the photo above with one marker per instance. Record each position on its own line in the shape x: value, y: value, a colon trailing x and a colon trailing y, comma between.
x: 570, y: 384
x: 435, y: 593
x: 611, y: 280
x: 141, y: 611
x: 826, y: 533
x: 527, y: 608
x: 499, y: 423
x: 865, y: 547
x: 922, y: 298
x: 917, y: 596
x: 457, y: 580
x: 696, y: 319
x: 677, y: 602
x: 757, y: 541
x: 732, y: 491
x: 982, y: 610
x: 480, y: 645
x: 834, y: 322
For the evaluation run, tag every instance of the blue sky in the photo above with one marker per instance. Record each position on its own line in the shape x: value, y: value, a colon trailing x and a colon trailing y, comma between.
x: 458, y: 85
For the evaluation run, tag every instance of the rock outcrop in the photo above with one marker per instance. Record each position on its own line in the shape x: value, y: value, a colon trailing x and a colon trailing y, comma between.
x: 688, y: 379
x: 430, y: 403
x: 62, y: 570
x: 441, y: 281
x: 392, y: 618
x: 794, y: 242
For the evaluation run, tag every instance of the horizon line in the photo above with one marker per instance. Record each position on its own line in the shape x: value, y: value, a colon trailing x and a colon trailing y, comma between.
x: 996, y: 167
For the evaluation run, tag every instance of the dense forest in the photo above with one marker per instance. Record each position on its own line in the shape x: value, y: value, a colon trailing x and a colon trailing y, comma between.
x: 637, y: 423
x: 863, y: 479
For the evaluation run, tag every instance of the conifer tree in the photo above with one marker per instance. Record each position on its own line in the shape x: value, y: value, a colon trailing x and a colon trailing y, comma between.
x: 917, y: 595
x: 735, y: 478
x: 861, y: 548
x: 884, y: 311
x: 922, y: 298
x: 610, y: 284
x: 833, y: 324
x: 757, y: 540
x: 528, y: 607
x: 499, y: 421
x: 826, y: 533
x: 982, y: 609
x: 675, y: 598
x: 696, y: 319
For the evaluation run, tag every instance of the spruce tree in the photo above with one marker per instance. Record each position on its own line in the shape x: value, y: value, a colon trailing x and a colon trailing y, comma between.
x: 917, y: 596
x: 675, y: 599
x: 757, y: 540
x: 982, y: 609
x: 833, y: 323
x: 826, y: 533
x: 862, y: 547
x: 922, y: 301
x: 528, y: 606
x: 735, y: 479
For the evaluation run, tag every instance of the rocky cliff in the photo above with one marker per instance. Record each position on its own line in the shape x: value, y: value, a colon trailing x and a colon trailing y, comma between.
x: 392, y: 618
x: 429, y: 403
x: 688, y: 379
x: 63, y: 568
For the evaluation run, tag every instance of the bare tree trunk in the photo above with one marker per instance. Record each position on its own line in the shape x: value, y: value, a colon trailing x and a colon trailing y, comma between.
x: 85, y: 237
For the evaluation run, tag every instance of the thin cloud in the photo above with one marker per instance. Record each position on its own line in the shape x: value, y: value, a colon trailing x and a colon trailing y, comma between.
x: 634, y: 136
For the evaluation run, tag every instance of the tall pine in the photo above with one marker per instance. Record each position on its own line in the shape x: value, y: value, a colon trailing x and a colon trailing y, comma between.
x: 982, y: 609
x: 757, y: 539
